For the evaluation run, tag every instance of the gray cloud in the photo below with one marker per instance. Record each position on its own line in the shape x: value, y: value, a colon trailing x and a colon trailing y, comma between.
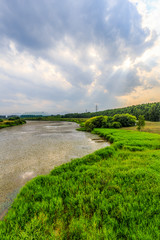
x: 123, y: 82
x: 39, y: 24
x: 45, y: 29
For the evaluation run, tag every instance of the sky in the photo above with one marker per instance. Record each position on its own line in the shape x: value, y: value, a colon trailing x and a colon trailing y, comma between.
x: 69, y: 56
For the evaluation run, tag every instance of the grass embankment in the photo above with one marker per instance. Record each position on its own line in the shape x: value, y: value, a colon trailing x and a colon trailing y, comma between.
x: 10, y: 123
x: 111, y: 194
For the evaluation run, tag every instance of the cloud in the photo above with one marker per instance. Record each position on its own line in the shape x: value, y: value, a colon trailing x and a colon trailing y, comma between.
x: 39, y: 25
x: 72, y: 55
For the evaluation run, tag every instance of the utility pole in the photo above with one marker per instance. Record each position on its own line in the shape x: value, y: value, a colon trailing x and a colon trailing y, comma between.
x: 96, y: 108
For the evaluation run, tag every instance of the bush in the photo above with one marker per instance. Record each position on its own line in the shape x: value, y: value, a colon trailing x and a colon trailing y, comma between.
x: 1, y: 120
x: 126, y: 120
x: 105, y: 122
x: 116, y: 125
x: 13, y: 118
x: 94, y: 122
x: 117, y: 121
x: 8, y: 123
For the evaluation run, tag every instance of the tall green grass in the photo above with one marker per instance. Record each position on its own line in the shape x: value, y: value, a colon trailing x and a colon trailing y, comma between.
x: 132, y: 140
x: 113, y: 193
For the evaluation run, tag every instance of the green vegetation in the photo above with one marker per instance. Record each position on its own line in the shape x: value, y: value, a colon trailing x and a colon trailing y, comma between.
x: 10, y: 123
x: 95, y: 122
x: 126, y: 120
x: 141, y: 122
x: 14, y: 118
x: 130, y: 140
x: 117, y: 121
x: 151, y: 112
x: 110, y: 194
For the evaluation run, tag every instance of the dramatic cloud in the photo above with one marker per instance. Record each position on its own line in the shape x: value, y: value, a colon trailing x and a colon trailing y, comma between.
x: 68, y: 56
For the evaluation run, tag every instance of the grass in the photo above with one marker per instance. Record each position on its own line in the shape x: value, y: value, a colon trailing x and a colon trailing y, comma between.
x: 111, y: 194
x: 132, y: 140
x: 152, y: 127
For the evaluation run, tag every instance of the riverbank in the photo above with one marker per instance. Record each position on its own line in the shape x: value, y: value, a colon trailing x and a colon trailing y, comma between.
x: 110, y: 194
x: 56, y: 119
x: 11, y: 123
x: 34, y: 149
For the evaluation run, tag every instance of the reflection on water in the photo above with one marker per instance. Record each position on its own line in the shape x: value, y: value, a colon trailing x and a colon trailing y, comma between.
x: 36, y: 148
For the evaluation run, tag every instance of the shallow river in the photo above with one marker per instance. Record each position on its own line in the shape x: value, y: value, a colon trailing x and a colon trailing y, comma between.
x: 36, y: 148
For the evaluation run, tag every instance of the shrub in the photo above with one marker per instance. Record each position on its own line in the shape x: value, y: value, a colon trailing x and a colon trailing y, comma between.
x: 8, y: 123
x: 94, y: 122
x: 116, y: 125
x: 105, y: 122
x: 126, y: 120
x: 13, y: 118
x: 117, y: 121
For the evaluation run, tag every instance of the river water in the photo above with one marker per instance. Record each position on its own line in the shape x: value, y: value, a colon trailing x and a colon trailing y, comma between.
x: 36, y: 148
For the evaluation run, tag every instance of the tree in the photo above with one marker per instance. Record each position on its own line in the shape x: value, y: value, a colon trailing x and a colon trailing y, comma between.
x: 141, y: 122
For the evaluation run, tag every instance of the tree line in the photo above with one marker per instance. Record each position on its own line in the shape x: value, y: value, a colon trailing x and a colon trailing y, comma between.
x: 151, y: 112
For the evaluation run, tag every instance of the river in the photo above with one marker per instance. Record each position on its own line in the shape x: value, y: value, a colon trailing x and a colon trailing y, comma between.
x: 36, y: 148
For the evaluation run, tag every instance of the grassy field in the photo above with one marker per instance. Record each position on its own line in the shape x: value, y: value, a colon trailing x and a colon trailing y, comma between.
x: 111, y: 194
x: 153, y: 127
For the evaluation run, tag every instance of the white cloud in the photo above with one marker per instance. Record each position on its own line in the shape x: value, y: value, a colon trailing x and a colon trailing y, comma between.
x: 150, y: 11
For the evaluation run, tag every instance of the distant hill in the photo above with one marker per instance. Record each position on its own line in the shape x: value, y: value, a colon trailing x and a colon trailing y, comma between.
x: 151, y: 111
